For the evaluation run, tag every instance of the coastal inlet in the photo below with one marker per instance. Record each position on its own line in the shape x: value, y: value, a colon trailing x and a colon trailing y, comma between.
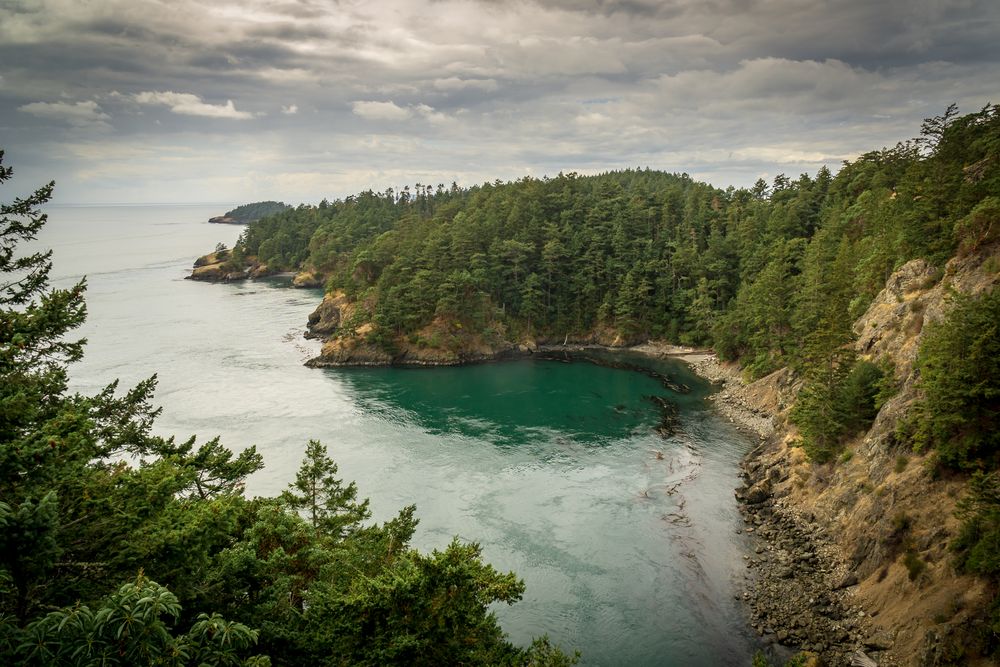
x: 554, y: 467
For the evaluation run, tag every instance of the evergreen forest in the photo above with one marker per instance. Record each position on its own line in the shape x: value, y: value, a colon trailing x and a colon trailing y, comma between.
x: 771, y: 276
x: 256, y: 210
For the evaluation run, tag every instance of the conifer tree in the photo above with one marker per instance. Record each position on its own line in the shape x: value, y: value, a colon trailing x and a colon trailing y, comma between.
x: 330, y: 505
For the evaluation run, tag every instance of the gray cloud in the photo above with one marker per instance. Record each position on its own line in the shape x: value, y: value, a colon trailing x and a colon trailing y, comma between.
x: 78, y: 114
x: 187, y: 104
x: 337, y: 96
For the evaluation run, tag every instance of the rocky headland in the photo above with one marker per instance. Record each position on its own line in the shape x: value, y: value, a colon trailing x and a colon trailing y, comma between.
x: 349, y: 340
x: 220, y: 267
x: 227, y: 220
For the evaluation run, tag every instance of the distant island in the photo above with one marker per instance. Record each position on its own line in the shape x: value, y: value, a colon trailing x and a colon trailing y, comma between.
x: 247, y: 213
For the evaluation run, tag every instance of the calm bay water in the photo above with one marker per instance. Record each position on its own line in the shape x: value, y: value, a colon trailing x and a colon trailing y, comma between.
x: 630, y: 558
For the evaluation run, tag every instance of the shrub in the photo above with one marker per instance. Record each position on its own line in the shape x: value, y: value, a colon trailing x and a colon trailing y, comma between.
x: 977, y: 547
x: 914, y: 566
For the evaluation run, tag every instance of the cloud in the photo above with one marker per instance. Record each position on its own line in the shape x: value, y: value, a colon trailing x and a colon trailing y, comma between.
x: 429, y: 114
x: 78, y: 114
x: 455, y: 83
x: 187, y: 104
x: 380, y: 110
x: 480, y: 89
x: 393, y: 112
x: 592, y: 119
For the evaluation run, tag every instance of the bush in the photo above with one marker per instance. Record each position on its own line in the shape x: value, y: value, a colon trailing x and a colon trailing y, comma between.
x: 977, y: 547
x: 862, y: 394
x: 914, y: 566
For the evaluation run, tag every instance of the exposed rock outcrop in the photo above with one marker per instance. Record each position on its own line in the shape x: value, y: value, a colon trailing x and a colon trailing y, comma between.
x: 326, y: 319
x: 308, y: 278
x: 441, y: 343
x: 216, y: 267
x: 853, y: 557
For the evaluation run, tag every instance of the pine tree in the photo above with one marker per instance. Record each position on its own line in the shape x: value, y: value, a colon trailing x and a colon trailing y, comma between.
x: 330, y: 506
x: 959, y: 364
x: 36, y: 425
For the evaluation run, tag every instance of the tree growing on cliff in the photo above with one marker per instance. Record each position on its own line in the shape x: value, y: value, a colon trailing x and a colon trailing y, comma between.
x: 959, y: 365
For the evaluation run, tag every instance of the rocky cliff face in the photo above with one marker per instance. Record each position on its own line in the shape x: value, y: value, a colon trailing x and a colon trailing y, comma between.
x: 441, y: 343
x: 214, y: 268
x: 855, y: 553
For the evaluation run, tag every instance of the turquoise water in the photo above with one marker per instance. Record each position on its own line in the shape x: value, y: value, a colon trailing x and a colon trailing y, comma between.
x: 628, y: 542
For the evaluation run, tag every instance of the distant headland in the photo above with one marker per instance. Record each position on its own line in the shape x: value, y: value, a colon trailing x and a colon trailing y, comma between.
x: 247, y: 213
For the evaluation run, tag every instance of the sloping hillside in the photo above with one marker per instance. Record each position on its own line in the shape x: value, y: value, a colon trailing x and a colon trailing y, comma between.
x: 882, y: 516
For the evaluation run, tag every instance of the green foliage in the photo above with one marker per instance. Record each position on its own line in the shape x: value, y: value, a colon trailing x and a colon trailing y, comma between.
x: 820, y: 410
x: 839, y: 399
x: 331, y: 507
x: 915, y: 566
x: 864, y: 393
x: 959, y: 364
x: 977, y: 546
x: 133, y: 627
x: 256, y: 210
x: 423, y: 610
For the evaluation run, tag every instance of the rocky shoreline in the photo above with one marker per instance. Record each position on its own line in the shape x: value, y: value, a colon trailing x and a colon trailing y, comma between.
x: 733, y: 400
x: 798, y: 592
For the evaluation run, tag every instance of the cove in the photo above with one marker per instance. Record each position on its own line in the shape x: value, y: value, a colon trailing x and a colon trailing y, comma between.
x: 556, y: 468
x: 550, y: 465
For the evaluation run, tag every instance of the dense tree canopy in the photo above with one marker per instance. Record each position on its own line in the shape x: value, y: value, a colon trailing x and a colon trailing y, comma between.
x: 762, y: 274
x: 256, y: 210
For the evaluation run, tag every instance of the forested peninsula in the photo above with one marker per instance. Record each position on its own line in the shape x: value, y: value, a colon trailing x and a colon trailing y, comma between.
x: 861, y: 305
x: 247, y: 213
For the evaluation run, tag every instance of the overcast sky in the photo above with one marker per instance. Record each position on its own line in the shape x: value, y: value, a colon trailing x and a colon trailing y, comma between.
x: 181, y: 101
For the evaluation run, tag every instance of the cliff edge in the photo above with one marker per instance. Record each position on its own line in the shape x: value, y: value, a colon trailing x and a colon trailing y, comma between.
x: 852, y: 560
